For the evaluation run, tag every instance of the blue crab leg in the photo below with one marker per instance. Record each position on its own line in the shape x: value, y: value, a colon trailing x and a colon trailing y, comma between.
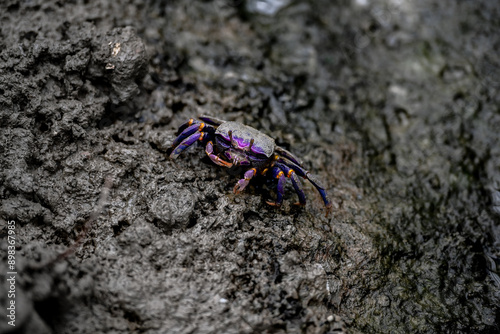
x: 287, y: 154
x: 188, y: 132
x: 290, y: 173
x: 209, y: 150
x: 185, y: 144
x: 187, y: 124
x: 278, y: 174
x: 212, y: 120
x: 240, y: 186
x: 305, y: 174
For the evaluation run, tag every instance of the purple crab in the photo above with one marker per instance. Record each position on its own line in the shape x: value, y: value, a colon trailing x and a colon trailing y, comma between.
x: 239, y: 145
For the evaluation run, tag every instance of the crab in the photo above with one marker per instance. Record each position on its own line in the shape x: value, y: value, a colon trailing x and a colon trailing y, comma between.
x: 232, y: 144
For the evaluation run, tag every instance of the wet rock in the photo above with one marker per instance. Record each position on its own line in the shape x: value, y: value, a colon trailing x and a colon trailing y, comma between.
x: 393, y: 107
x: 172, y: 205
x: 23, y: 211
x: 120, y: 57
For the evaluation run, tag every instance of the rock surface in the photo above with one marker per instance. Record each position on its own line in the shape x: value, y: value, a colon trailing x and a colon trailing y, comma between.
x: 394, y: 105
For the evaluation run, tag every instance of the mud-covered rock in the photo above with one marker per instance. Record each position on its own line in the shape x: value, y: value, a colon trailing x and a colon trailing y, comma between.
x: 119, y: 56
x: 392, y: 105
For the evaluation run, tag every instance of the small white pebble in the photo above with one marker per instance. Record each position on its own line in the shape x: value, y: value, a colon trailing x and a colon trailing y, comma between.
x: 223, y: 300
x: 330, y: 318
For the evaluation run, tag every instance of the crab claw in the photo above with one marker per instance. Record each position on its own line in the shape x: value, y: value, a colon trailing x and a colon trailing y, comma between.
x: 241, y: 184
x: 209, y: 149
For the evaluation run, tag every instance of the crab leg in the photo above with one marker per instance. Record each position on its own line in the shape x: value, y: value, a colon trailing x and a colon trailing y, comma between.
x: 288, y: 155
x: 305, y: 174
x: 188, y: 132
x: 240, y: 186
x: 290, y: 173
x: 185, y: 144
x: 211, y: 120
x: 187, y: 124
x: 278, y: 173
x: 209, y: 149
